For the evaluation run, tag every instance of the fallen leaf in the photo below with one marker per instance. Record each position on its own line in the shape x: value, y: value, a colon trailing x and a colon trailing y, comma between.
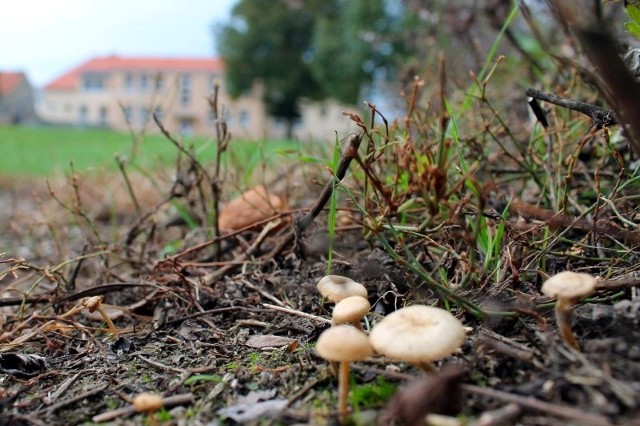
x: 23, y: 365
x: 254, y: 406
x: 250, y: 207
x: 260, y: 341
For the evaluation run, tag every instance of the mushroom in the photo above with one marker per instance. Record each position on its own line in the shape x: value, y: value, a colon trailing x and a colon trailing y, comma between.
x: 94, y: 303
x: 148, y: 403
x: 351, y: 310
x: 336, y: 288
x: 568, y: 288
x: 343, y: 344
x: 418, y: 334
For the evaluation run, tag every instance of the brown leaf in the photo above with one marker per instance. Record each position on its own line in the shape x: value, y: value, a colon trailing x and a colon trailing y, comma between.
x: 260, y: 341
x: 250, y: 207
x: 439, y: 394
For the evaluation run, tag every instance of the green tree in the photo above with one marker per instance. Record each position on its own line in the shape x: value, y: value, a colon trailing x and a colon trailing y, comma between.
x: 311, y: 49
x: 269, y: 42
x: 354, y: 48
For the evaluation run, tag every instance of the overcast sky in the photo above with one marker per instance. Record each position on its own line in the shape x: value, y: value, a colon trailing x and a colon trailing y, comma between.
x: 45, y: 38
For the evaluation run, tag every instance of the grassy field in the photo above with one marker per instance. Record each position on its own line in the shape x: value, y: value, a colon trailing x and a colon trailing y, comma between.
x: 46, y: 151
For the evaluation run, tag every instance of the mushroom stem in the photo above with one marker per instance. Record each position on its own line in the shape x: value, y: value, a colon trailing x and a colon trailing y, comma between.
x: 563, y: 319
x: 105, y: 317
x: 427, y: 367
x: 343, y: 391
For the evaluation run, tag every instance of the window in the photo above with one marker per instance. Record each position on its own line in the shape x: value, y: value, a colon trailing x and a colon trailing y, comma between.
x: 144, y: 113
x: 104, y: 113
x: 93, y: 82
x: 185, y: 89
x: 144, y: 82
x: 159, y: 83
x: 128, y: 82
x: 185, y: 127
x: 244, y: 118
x: 82, y: 115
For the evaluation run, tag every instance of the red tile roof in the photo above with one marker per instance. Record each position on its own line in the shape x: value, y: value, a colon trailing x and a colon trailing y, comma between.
x: 9, y: 81
x: 68, y: 80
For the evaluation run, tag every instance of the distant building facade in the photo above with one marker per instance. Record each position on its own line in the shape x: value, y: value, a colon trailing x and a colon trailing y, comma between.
x: 122, y: 93
x: 16, y: 99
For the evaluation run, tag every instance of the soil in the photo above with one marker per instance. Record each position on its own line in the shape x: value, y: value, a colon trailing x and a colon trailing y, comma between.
x: 229, y: 354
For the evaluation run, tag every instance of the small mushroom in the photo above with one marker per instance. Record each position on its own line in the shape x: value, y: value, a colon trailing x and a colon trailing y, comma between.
x: 336, y: 288
x: 148, y: 403
x: 418, y: 334
x: 351, y: 310
x: 568, y: 288
x: 94, y: 303
x: 343, y: 344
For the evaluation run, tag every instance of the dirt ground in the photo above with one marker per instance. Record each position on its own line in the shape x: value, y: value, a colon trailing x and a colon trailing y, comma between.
x: 240, y: 350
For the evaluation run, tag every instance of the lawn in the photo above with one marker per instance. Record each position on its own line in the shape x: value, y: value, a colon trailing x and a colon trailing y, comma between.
x: 46, y: 151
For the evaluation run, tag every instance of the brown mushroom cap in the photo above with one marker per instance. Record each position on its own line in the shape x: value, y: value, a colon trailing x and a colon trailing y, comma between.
x: 336, y: 288
x: 343, y: 343
x: 147, y: 402
x: 569, y: 285
x: 350, y: 309
x: 418, y: 334
x: 92, y: 303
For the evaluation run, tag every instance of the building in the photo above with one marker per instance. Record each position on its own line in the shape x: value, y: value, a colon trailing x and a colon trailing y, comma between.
x: 16, y: 99
x: 122, y: 93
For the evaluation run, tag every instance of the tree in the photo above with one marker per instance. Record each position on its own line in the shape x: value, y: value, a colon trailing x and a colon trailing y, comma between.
x: 269, y: 42
x: 311, y: 49
x: 355, y: 48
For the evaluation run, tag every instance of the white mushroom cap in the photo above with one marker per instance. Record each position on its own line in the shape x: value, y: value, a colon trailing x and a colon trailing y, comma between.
x: 336, y: 288
x: 418, y: 334
x: 343, y: 343
x: 350, y: 309
x: 569, y: 285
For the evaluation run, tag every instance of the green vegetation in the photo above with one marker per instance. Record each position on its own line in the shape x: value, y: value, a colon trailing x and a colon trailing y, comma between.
x: 216, y: 378
x: 371, y: 394
x: 45, y: 151
x: 633, y: 26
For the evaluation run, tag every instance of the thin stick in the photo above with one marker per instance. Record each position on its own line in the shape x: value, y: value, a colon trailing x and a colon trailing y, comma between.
x: 294, y: 312
x: 49, y: 411
x: 162, y: 366
x: 600, y: 116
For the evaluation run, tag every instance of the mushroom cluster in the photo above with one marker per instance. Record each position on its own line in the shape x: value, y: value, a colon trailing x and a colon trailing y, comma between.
x: 345, y: 341
x: 416, y: 334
